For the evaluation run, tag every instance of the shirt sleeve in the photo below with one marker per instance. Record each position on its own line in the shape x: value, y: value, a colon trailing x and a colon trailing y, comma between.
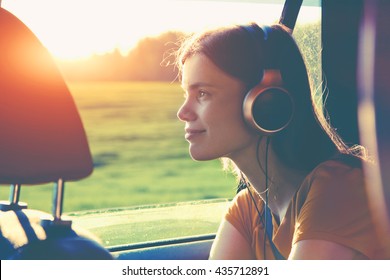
x: 240, y: 215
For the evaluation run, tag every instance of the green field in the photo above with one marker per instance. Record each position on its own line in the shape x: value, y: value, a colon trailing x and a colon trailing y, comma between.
x: 139, y: 151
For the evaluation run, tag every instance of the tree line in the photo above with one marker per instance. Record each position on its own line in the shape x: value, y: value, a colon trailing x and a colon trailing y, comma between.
x: 152, y: 59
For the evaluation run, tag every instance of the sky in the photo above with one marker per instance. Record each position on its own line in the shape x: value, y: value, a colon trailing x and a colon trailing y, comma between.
x: 74, y: 29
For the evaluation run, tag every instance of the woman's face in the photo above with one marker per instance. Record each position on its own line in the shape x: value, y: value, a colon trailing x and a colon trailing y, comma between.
x: 212, y: 111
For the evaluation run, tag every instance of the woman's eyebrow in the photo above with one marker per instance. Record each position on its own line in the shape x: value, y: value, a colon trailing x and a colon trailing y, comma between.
x: 198, y: 85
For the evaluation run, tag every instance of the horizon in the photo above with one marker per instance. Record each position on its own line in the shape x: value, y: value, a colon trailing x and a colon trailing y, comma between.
x: 76, y: 30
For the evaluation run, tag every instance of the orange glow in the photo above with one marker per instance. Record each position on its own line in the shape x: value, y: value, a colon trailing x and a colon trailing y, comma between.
x: 73, y: 29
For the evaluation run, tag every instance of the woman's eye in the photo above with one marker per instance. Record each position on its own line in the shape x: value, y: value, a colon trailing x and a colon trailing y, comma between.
x: 202, y: 94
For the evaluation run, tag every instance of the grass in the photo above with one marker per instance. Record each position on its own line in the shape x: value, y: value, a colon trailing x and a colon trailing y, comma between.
x: 140, y: 155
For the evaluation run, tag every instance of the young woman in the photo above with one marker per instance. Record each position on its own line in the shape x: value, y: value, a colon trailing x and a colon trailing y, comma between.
x: 303, y: 191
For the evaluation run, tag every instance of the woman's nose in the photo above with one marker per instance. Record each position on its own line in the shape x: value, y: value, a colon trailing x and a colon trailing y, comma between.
x: 186, y: 113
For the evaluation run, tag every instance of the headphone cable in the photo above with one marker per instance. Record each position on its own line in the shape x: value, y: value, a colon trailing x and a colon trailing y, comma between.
x: 263, y: 216
x: 266, y: 195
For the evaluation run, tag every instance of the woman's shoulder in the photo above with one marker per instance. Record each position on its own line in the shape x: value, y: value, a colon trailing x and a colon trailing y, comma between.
x: 332, y: 205
x: 336, y: 168
x: 333, y: 176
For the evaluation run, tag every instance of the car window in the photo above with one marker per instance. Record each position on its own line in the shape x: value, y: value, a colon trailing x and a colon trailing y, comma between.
x: 115, y: 59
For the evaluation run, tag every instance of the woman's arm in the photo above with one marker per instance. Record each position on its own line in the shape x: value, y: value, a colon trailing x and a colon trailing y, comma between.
x: 229, y: 244
x: 322, y: 250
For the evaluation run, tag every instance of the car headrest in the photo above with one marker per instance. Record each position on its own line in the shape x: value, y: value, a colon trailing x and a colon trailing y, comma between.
x: 42, y: 136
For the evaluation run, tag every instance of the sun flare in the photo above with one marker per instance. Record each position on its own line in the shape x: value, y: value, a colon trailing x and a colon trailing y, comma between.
x: 75, y: 29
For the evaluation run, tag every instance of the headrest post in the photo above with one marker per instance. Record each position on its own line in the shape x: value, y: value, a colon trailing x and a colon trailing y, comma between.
x: 58, y: 198
x: 56, y: 222
x: 13, y: 203
x: 14, y: 194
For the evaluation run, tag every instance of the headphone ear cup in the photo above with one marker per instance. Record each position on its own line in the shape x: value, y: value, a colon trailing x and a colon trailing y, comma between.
x: 268, y: 110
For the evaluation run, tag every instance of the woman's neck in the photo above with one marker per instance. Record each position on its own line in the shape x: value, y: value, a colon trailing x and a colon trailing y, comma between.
x: 270, y: 176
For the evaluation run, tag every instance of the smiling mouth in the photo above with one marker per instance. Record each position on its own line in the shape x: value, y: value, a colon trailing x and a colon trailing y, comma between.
x: 192, y: 133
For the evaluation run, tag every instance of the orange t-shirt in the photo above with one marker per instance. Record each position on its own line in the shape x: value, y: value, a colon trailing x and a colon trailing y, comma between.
x: 329, y: 205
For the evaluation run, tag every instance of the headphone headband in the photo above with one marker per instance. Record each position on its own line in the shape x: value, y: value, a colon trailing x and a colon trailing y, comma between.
x: 253, y: 30
x: 260, y: 36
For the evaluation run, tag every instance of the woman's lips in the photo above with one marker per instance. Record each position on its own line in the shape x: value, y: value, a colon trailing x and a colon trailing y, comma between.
x: 192, y: 133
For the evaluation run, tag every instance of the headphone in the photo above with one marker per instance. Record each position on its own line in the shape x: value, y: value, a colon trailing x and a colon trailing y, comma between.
x: 268, y: 107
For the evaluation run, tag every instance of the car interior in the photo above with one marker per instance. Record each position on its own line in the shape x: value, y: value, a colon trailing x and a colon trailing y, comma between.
x: 43, y: 139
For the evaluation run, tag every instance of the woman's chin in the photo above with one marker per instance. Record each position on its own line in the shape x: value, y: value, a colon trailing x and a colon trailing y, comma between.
x: 201, y: 156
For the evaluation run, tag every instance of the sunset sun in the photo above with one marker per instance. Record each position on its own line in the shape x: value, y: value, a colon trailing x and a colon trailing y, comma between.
x: 76, y: 29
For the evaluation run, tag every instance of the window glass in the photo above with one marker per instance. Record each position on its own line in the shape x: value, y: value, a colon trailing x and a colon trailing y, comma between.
x: 114, y: 56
